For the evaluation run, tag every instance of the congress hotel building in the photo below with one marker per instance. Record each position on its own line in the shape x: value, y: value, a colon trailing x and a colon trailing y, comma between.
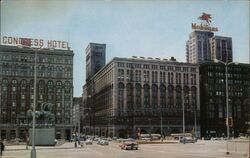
x: 54, y: 85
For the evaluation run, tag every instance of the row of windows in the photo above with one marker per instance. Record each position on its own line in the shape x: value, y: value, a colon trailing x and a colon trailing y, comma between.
x: 219, y: 110
x: 41, y: 59
x: 229, y: 75
x: 24, y: 82
x: 42, y: 70
x: 230, y: 69
x: 156, y: 67
x: 14, y: 119
x: 150, y: 96
x: 145, y: 76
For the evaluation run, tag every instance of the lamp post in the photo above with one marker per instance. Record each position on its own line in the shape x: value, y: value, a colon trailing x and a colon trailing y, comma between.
x: 1, y: 111
x: 195, y: 123
x: 226, y: 74
x: 183, y: 114
x: 35, y: 50
x: 33, y: 151
x: 183, y: 117
x: 160, y: 111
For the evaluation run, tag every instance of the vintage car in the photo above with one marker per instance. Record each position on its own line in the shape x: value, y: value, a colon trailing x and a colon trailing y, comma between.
x: 129, y: 145
x: 187, y: 140
x: 103, y: 141
x: 88, y: 142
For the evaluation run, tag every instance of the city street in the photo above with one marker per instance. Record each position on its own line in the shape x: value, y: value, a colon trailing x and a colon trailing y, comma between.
x: 201, y: 149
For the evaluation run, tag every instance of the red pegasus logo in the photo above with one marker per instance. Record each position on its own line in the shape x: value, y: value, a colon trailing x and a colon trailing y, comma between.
x: 206, y: 17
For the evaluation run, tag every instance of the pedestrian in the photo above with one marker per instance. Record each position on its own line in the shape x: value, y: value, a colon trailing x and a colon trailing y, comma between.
x: 27, y: 142
x: 78, y: 139
x: 2, y: 147
x: 27, y: 139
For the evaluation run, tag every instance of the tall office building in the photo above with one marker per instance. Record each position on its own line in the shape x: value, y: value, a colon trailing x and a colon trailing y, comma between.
x: 95, y: 58
x: 203, y: 46
x: 221, y: 48
x: 198, y: 46
x: 213, y: 98
x: 54, y: 85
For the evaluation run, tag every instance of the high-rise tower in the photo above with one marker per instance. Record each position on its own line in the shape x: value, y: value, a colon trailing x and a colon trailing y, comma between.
x: 221, y: 48
x: 198, y: 46
x: 95, y: 58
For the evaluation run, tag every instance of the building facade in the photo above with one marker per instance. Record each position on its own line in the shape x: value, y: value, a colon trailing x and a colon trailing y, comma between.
x: 54, y: 85
x: 213, y: 99
x: 95, y: 58
x: 77, y: 113
x: 221, y: 48
x: 198, y: 46
x: 131, y: 95
x: 203, y: 46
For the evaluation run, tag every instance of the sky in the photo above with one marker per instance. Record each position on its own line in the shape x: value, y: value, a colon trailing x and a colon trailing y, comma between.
x: 149, y: 28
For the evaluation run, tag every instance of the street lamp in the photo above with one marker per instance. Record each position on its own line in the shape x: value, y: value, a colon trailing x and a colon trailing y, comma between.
x: 35, y: 50
x: 160, y: 111
x: 183, y: 116
x: 226, y: 74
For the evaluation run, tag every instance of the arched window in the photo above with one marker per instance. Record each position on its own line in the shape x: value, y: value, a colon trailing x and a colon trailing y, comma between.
x: 50, y: 91
x: 58, y: 90
x: 5, y: 86
x: 14, y: 96
x: 130, y: 101
x: 23, y: 89
x: 146, y: 95
x: 194, y: 97
x: 163, y: 96
x: 170, y: 96
x: 120, y: 96
x: 138, y: 95
x: 41, y: 90
x: 186, y: 99
x: 14, y: 86
x: 178, y: 97
x: 154, y: 96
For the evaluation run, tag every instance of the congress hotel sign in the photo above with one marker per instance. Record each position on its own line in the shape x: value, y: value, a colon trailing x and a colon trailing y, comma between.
x: 32, y: 42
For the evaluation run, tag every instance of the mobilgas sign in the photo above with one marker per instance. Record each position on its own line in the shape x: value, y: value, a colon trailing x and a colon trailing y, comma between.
x: 33, y: 42
x: 205, y: 26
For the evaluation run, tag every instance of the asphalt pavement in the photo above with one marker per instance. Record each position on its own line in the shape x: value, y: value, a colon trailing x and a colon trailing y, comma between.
x: 201, y: 149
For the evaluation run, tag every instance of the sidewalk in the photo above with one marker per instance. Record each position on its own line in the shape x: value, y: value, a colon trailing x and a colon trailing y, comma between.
x: 70, y: 145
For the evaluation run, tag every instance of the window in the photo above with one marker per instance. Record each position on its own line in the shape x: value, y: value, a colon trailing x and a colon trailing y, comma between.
x: 146, y: 95
x: 130, y: 96
x: 163, y: 96
x: 154, y: 96
x: 120, y: 96
x: 138, y: 95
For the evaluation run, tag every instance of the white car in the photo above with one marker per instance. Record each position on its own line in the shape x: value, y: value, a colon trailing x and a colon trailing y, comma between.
x: 88, y: 142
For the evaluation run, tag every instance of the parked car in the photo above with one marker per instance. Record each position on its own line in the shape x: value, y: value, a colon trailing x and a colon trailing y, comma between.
x: 103, y: 142
x: 88, y: 142
x: 187, y: 140
x: 129, y: 145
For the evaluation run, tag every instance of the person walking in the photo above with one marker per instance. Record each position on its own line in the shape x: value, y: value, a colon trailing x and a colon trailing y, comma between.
x: 2, y: 147
x: 27, y: 138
